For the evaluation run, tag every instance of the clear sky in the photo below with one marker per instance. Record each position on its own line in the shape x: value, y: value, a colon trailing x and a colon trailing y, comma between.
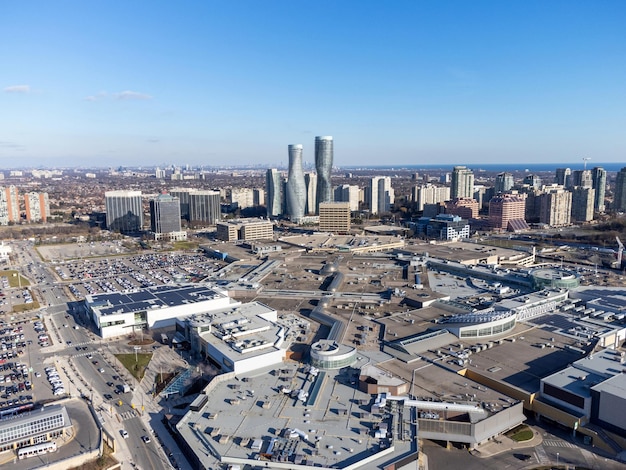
x: 107, y: 83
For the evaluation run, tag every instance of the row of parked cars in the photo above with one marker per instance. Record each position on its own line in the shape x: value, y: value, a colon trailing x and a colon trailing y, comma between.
x: 55, y: 380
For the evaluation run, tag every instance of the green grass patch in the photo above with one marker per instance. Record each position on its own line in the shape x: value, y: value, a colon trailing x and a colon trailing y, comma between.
x: 185, y: 245
x: 136, y: 367
x: 521, y: 433
x: 19, y: 308
x: 15, y: 278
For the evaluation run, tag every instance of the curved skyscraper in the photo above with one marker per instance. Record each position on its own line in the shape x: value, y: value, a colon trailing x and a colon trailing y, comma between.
x: 324, y: 165
x: 296, y: 188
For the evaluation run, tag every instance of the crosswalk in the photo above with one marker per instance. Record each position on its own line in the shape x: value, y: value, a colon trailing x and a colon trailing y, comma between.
x: 85, y: 353
x: 558, y: 443
x: 129, y: 415
x: 540, y: 453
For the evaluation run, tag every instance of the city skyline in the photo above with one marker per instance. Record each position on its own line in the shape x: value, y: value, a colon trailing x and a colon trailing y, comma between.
x: 405, y: 83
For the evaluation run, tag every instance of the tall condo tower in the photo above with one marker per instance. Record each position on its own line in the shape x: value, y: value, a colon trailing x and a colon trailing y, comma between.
x: 124, y: 211
x: 324, y: 165
x: 462, y: 185
x: 37, y: 207
x: 310, y: 180
x: 504, y: 182
x: 273, y: 193
x: 619, y: 200
x: 598, y: 175
x: 296, y: 187
x: 9, y: 205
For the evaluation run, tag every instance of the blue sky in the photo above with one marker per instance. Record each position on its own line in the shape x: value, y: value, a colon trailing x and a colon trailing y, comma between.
x: 234, y: 82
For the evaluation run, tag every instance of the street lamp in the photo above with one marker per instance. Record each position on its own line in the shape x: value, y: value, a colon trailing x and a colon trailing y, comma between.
x: 557, y: 459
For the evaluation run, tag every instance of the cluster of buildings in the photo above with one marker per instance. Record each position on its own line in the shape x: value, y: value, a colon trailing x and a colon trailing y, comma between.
x: 32, y: 206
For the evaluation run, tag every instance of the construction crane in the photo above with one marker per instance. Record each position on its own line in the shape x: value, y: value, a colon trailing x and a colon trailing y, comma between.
x: 585, y: 160
x: 620, y: 250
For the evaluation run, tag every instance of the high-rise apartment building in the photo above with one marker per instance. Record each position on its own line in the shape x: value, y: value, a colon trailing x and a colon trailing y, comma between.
x: 324, y: 166
x: 462, y: 185
x: 465, y: 207
x: 9, y: 205
x: 348, y: 193
x: 582, y: 178
x: 204, y: 207
x: 37, y: 207
x: 296, y: 186
x: 381, y: 194
x: 310, y: 181
x: 555, y: 207
x: 274, y: 193
x: 429, y: 194
x: 504, y: 182
x: 159, y: 173
x: 534, y: 181
x: 165, y: 214
x: 619, y: 199
x: 241, y: 197
x: 124, y: 211
x: 582, y: 203
x: 563, y: 177
x: 334, y: 217
x: 598, y: 176
x: 506, y: 212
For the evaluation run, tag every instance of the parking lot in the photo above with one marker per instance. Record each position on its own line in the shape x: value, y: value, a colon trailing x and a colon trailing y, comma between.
x: 103, y: 275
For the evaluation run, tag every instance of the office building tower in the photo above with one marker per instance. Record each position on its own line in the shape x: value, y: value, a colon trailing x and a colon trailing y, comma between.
x: 582, y: 178
x: 619, y: 199
x: 462, y: 185
x: 429, y: 194
x: 310, y: 181
x: 296, y: 186
x: 183, y: 197
x: 598, y: 177
x: 274, y: 193
x: 582, y: 203
x: 381, y: 194
x: 506, y: 212
x: 555, y: 207
x: 448, y: 227
x: 334, y: 217
x: 9, y: 205
x: 124, y: 211
x: 245, y: 229
x: 504, y: 182
x: 165, y: 214
x: 204, y: 207
x: 324, y: 166
x: 465, y: 207
x: 348, y: 193
x: 533, y: 181
x: 563, y: 177
x: 37, y: 207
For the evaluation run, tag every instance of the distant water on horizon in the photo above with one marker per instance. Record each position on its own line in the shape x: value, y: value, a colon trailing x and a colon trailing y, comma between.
x: 493, y: 167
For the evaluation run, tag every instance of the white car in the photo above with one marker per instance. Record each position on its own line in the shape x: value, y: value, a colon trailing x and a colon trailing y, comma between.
x: 124, y: 433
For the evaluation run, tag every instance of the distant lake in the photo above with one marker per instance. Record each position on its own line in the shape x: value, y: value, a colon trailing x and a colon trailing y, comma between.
x: 498, y: 167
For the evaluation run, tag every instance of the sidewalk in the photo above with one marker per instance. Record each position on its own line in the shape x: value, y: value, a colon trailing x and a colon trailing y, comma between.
x: 504, y: 444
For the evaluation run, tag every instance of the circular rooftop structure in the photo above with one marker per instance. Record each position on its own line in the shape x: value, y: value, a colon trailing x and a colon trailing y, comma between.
x: 555, y: 278
x: 328, y: 354
x: 479, y: 324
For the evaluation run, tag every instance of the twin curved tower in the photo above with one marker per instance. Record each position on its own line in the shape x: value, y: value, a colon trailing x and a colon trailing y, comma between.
x: 296, y: 189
